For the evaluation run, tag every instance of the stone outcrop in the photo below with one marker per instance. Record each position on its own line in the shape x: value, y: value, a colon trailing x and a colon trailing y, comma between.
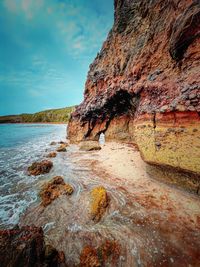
x: 53, y: 189
x: 38, y: 168
x: 26, y: 247
x: 144, y: 85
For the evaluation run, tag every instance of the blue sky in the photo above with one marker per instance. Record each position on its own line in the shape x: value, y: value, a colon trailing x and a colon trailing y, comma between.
x: 46, y: 47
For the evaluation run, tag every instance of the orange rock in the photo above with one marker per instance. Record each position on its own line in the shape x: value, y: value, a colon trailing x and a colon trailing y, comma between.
x: 38, y: 168
x: 99, y: 202
x: 53, y: 189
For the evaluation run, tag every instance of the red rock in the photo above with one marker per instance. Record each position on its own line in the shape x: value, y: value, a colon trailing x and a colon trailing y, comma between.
x: 26, y: 247
x: 147, y: 68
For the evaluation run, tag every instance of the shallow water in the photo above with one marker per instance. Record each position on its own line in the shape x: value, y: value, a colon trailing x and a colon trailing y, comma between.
x: 20, y: 145
x: 153, y: 224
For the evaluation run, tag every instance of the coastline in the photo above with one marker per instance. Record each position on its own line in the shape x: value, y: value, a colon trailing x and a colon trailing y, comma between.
x: 65, y: 123
x: 142, y: 211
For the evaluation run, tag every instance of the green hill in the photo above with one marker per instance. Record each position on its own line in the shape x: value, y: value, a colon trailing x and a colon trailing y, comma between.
x: 52, y: 115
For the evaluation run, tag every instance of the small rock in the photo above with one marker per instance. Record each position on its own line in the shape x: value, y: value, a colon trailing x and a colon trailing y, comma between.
x: 89, y: 145
x: 38, y: 168
x: 62, y: 148
x: 99, y: 202
x: 52, y: 155
x: 53, y: 143
x: 53, y: 189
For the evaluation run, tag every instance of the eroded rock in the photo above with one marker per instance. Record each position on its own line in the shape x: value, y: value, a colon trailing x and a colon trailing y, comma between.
x: 53, y: 189
x: 146, y: 72
x: 26, y: 247
x: 38, y: 168
x: 99, y: 202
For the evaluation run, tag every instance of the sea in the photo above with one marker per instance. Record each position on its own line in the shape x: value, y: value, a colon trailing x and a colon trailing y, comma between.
x: 20, y: 145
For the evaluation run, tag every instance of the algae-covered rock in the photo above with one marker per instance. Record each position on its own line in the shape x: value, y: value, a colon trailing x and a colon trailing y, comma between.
x: 53, y: 189
x: 38, y: 168
x: 99, y: 202
x: 89, y: 145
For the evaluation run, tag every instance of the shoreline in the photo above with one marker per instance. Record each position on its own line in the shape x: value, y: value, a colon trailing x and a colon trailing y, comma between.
x: 142, y: 211
x: 63, y: 123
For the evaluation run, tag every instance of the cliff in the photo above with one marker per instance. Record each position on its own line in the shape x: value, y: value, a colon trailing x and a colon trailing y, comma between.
x: 144, y: 85
x: 51, y: 115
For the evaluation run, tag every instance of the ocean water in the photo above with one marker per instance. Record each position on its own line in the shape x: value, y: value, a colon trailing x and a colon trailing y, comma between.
x: 20, y: 145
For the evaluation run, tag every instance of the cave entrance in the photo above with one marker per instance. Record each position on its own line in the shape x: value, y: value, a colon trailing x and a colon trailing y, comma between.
x: 102, y: 139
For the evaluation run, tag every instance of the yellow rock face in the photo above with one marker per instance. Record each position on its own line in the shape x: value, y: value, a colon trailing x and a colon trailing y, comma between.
x: 169, y: 140
x: 99, y: 202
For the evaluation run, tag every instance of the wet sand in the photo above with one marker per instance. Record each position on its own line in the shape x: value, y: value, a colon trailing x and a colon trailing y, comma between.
x: 153, y: 223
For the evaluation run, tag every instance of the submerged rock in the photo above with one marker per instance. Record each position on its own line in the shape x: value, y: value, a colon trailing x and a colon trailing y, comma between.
x: 42, y: 167
x: 53, y: 189
x: 99, y: 202
x: 89, y: 145
x: 26, y: 247
x: 52, y: 155
x: 108, y: 252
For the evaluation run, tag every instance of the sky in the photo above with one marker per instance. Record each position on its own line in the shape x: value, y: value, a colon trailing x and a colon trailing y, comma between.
x: 46, y: 47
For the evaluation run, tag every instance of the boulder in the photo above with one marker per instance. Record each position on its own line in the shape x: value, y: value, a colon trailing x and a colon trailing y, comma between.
x: 89, y: 145
x: 53, y: 189
x: 38, y: 168
x: 98, y: 202
x: 26, y: 247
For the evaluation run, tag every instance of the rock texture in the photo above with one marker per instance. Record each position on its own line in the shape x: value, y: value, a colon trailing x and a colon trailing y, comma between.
x: 38, y: 168
x: 26, y: 247
x: 144, y: 85
x: 53, y: 189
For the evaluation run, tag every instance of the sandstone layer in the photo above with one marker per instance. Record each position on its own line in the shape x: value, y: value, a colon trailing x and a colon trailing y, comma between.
x: 144, y: 85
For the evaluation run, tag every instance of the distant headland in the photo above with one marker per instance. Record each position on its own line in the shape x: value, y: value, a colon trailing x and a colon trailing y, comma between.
x: 60, y: 115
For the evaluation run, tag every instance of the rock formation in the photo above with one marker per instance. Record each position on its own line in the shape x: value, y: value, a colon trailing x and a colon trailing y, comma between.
x: 26, y: 247
x: 38, y: 168
x: 144, y: 85
x: 99, y: 202
x: 53, y: 189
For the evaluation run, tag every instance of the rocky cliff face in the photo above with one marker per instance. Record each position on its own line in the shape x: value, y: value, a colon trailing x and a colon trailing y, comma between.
x: 144, y: 85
